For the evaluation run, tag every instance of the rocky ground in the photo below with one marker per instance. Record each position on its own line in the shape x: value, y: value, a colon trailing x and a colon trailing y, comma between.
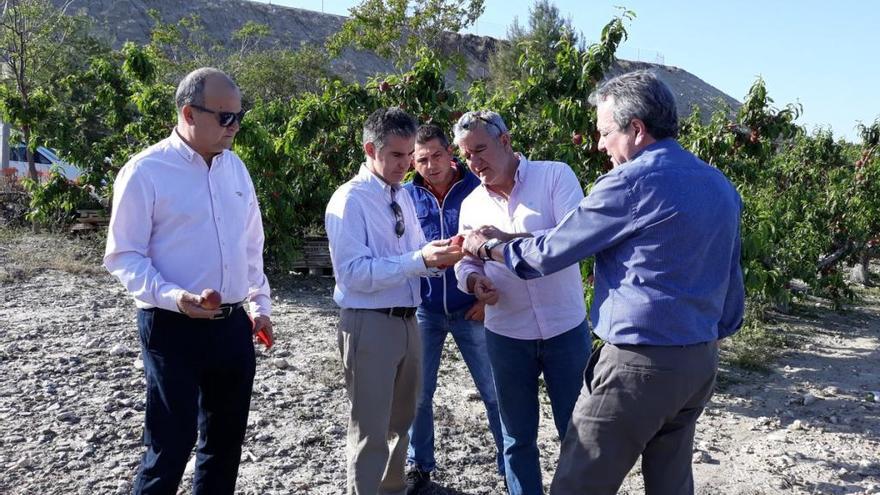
x: 71, y: 395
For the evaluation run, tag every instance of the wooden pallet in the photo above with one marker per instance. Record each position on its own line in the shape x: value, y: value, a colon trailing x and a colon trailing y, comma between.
x: 90, y: 220
x: 316, y: 257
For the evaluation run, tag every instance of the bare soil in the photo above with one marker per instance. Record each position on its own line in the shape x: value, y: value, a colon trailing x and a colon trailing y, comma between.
x: 72, y: 392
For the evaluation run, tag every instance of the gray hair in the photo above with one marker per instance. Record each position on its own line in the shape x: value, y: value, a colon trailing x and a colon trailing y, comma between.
x: 386, y: 122
x: 191, y: 90
x: 641, y: 95
x: 487, y: 119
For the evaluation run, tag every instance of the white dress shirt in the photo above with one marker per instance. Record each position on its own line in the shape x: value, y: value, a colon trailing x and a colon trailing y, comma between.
x: 178, y: 225
x: 374, y: 268
x: 541, y: 308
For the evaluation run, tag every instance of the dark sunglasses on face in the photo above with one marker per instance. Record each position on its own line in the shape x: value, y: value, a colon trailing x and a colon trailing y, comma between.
x: 225, y: 119
x: 399, y: 226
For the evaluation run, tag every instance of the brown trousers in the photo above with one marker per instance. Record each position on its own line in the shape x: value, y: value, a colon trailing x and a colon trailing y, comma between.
x: 637, y: 400
x: 381, y: 357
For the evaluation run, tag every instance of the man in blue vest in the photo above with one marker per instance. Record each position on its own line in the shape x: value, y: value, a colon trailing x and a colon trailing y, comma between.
x: 438, y: 187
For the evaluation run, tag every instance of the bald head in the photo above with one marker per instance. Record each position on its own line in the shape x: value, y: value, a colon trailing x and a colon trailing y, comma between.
x: 191, y: 90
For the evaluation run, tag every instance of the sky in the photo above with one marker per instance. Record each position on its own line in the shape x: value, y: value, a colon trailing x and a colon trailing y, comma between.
x: 821, y: 54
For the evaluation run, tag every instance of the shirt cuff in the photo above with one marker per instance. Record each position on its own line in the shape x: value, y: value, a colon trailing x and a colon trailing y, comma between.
x: 260, y: 305
x: 462, y: 281
x: 168, y: 299
x: 415, y: 264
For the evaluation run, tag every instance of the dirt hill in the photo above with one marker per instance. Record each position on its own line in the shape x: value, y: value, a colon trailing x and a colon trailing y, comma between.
x: 128, y: 20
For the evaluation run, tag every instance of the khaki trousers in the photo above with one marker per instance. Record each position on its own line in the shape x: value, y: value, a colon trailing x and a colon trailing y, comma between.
x: 381, y: 358
x: 636, y: 400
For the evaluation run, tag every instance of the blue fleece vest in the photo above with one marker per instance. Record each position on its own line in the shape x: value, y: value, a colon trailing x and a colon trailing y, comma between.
x: 441, y: 294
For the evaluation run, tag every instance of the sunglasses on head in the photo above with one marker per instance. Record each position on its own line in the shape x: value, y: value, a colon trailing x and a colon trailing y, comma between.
x: 468, y: 124
x: 225, y: 119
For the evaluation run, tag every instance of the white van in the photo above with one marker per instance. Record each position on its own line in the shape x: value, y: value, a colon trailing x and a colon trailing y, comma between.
x: 44, y: 159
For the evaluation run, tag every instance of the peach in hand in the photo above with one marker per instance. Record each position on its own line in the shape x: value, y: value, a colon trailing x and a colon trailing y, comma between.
x: 210, y: 299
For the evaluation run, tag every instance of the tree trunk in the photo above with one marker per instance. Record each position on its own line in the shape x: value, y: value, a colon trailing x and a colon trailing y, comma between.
x: 859, y: 272
x: 32, y: 166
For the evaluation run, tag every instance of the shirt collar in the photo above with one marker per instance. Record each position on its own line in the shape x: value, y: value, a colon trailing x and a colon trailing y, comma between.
x: 522, y: 170
x: 184, y: 149
x: 373, y: 180
x: 180, y: 146
x: 665, y: 143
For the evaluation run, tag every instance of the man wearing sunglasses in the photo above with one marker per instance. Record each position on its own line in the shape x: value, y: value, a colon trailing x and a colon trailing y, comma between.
x: 379, y: 254
x: 533, y: 327
x: 185, y: 219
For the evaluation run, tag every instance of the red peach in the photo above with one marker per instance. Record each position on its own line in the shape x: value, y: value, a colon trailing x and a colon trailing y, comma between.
x: 211, y: 299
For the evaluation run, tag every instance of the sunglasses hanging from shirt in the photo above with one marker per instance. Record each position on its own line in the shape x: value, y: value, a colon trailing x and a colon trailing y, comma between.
x: 399, y: 225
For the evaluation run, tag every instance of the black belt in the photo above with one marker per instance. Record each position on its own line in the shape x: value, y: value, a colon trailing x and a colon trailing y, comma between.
x: 400, y: 312
x: 226, y: 310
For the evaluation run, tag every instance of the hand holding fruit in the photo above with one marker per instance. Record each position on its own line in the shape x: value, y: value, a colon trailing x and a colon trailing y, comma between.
x: 455, y: 241
x: 211, y: 299
x: 193, y: 306
x: 440, y: 253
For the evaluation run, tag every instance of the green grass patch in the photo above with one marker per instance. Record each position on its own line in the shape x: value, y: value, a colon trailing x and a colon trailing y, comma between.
x: 756, y: 344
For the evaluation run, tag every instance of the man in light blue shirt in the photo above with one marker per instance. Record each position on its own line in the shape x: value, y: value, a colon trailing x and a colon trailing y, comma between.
x: 664, y: 228
x: 379, y: 252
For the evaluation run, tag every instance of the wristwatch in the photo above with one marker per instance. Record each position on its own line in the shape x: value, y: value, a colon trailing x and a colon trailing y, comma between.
x: 486, y: 248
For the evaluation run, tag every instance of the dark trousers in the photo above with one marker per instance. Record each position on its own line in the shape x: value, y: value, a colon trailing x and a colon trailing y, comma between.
x: 199, y: 378
x: 637, y: 400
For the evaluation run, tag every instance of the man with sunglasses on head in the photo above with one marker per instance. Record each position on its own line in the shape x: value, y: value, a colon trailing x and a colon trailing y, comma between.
x: 438, y: 188
x: 664, y: 227
x: 185, y: 219
x: 379, y: 253
x: 533, y: 327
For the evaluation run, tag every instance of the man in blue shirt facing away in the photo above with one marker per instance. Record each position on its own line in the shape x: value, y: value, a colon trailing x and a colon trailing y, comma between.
x: 664, y: 227
x: 438, y: 187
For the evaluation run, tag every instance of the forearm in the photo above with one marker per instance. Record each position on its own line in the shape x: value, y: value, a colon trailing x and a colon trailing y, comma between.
x: 368, y: 274
x: 463, y: 271
x: 142, y: 280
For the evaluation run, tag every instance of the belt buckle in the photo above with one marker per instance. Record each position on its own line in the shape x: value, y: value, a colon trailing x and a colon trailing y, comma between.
x: 225, y: 311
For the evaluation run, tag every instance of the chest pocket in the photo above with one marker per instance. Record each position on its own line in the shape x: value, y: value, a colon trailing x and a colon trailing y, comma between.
x: 428, y: 216
x: 234, y: 205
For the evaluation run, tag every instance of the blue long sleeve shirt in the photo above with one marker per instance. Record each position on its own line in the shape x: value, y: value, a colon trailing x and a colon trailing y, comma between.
x: 665, y: 230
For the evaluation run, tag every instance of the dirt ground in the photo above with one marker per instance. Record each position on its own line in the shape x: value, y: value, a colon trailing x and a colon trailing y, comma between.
x: 72, y: 390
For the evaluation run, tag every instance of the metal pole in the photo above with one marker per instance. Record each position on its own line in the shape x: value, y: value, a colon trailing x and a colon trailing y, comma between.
x: 4, y: 144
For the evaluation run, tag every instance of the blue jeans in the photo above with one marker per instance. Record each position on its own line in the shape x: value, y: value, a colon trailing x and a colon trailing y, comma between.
x: 470, y: 337
x: 516, y: 366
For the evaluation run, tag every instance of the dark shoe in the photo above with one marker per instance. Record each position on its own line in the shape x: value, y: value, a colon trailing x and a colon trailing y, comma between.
x: 417, y: 481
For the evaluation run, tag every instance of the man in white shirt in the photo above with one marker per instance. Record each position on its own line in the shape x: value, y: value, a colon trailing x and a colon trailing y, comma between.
x: 533, y: 327
x: 185, y: 219
x: 379, y: 253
